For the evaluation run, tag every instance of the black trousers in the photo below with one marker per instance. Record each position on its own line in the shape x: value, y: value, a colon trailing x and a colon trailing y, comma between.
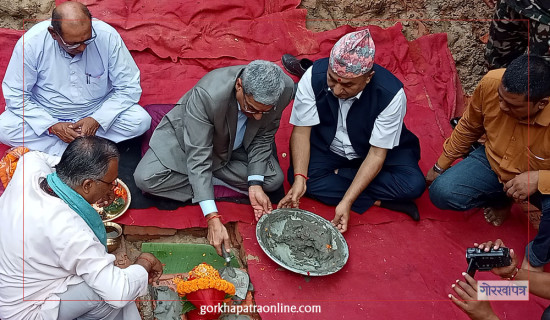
x: 395, y: 182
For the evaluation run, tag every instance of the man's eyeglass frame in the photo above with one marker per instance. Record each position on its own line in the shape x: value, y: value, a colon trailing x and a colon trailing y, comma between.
x: 78, y: 44
x: 113, y: 183
x: 247, y: 108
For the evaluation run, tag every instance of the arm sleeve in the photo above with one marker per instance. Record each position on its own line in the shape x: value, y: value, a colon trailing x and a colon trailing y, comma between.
x: 198, y: 132
x: 304, y: 110
x: 19, y: 80
x: 544, y: 181
x: 87, y: 258
x: 389, y: 123
x: 208, y: 206
x: 468, y: 130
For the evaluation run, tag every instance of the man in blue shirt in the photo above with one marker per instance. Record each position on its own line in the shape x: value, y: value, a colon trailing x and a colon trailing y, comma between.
x: 68, y: 77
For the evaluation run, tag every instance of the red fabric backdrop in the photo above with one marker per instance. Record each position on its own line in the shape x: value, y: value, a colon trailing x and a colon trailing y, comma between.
x: 397, y: 268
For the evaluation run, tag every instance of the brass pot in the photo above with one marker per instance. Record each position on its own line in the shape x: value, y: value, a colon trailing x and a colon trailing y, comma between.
x: 114, y: 231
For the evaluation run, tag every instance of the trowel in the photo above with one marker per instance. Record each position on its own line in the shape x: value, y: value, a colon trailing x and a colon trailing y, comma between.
x: 227, y: 257
x: 237, y: 277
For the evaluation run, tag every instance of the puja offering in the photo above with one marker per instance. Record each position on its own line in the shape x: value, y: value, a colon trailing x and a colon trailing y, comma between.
x: 203, y: 287
x: 302, y: 242
x: 118, y: 206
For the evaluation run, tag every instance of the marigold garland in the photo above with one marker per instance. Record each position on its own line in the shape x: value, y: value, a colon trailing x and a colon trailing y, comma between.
x: 203, y: 276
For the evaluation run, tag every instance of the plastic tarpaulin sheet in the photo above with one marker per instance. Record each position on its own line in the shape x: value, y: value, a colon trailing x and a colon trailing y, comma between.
x: 397, y: 268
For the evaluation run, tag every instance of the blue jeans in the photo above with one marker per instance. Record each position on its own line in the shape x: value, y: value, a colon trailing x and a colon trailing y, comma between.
x: 473, y: 184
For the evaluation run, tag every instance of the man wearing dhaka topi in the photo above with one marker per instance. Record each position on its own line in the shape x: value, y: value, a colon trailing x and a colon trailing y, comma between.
x: 350, y: 147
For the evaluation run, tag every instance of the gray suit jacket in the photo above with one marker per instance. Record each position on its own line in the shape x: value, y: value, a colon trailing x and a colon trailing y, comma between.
x: 196, y: 137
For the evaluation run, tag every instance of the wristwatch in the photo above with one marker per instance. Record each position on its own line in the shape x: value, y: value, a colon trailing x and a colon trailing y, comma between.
x: 255, y: 183
x: 437, y: 169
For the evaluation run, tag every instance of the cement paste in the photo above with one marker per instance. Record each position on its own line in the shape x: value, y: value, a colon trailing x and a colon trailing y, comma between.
x: 302, y: 242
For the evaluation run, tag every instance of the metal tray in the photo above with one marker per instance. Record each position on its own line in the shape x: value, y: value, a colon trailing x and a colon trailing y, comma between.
x: 318, y: 251
x: 110, y: 217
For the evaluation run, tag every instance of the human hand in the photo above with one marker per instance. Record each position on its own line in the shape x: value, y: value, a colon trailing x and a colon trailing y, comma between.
x: 431, y: 176
x: 467, y: 291
x: 151, y: 264
x: 490, y: 3
x: 64, y: 131
x: 107, y: 199
x: 341, y: 217
x: 260, y: 201
x: 87, y: 126
x: 523, y: 185
x: 503, y: 272
x: 296, y: 192
x: 217, y: 233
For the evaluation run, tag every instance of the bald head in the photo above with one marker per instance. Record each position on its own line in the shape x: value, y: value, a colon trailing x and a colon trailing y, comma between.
x: 71, y: 16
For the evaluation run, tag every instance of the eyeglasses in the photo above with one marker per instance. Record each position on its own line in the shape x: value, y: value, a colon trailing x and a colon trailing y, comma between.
x: 113, y: 183
x: 248, y: 108
x: 77, y: 44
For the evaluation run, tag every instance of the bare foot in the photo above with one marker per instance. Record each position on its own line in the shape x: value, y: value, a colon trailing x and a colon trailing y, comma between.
x: 496, y: 216
x: 526, y: 265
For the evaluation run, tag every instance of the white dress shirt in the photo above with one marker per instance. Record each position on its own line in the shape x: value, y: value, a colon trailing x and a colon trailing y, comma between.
x: 45, y: 247
x: 387, y: 126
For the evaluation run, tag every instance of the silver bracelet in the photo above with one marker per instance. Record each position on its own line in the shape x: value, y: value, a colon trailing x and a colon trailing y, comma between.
x: 437, y: 169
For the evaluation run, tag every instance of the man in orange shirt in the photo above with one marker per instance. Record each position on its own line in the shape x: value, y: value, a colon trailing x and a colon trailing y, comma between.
x: 510, y: 107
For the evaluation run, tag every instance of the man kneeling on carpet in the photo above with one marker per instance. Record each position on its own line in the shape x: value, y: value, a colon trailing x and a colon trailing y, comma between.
x: 350, y: 147
x: 221, y: 132
x: 509, y: 106
x: 53, y: 258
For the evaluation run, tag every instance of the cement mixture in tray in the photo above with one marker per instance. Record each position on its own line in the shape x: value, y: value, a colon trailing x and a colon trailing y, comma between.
x: 302, y: 242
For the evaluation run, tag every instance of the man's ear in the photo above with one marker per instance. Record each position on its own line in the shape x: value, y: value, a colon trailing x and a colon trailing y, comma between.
x: 238, y: 84
x: 52, y: 32
x: 543, y: 103
x: 87, y: 185
x: 369, y: 77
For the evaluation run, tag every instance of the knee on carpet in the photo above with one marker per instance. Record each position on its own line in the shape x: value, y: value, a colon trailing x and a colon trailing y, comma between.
x: 142, y: 122
x: 8, y: 130
x: 443, y: 196
x: 416, y: 186
x: 143, y: 181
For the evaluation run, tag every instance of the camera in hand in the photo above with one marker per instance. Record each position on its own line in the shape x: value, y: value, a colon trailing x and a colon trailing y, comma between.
x: 484, y: 261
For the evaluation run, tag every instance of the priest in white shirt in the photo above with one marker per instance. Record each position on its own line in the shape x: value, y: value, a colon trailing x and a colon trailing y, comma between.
x: 53, y: 258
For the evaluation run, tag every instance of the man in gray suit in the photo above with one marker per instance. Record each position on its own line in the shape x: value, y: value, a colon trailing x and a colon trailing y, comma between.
x: 220, y: 132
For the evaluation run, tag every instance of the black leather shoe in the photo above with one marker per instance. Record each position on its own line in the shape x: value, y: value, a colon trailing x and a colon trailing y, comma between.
x: 295, y: 66
x: 407, y: 207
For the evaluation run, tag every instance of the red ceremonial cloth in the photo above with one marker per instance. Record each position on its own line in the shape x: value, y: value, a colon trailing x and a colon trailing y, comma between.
x: 397, y: 268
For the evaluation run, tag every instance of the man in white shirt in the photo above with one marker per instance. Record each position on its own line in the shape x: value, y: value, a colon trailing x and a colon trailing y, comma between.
x: 349, y: 146
x: 53, y: 259
x: 68, y: 77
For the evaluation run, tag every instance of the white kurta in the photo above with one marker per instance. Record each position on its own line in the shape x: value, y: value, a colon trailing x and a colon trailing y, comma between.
x: 45, y: 246
x: 45, y: 85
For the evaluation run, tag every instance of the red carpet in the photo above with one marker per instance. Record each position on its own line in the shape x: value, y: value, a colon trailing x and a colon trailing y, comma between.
x: 397, y: 268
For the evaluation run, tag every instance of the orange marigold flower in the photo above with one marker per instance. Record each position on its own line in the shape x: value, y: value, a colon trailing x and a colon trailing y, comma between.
x: 201, y: 277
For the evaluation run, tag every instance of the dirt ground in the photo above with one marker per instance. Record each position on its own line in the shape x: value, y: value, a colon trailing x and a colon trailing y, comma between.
x: 460, y: 19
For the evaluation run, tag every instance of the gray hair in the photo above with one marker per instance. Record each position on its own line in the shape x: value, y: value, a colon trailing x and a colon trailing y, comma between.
x: 86, y: 158
x: 264, y: 81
